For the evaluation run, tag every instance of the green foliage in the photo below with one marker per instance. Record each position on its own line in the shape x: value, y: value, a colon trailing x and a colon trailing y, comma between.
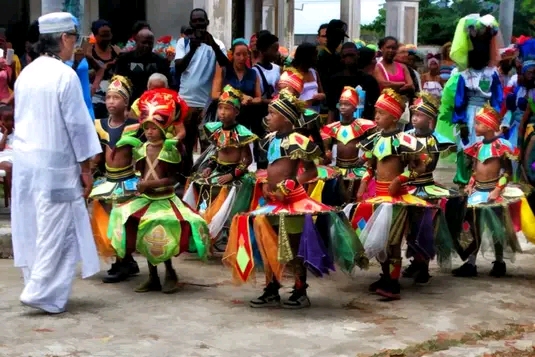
x: 438, y: 18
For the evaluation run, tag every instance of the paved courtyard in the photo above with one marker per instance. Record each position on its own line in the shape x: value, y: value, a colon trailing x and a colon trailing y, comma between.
x: 209, y: 316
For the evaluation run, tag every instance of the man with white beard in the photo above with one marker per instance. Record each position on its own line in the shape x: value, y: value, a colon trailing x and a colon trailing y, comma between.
x: 53, y: 143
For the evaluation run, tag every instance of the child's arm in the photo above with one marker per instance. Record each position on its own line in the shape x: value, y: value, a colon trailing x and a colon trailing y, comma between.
x: 309, y: 174
x: 366, y: 178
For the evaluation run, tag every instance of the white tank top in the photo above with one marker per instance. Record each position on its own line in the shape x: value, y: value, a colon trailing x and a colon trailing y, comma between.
x: 272, y: 76
x: 310, y: 89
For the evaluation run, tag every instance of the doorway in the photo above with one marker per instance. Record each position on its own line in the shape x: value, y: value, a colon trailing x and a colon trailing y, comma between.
x: 122, y: 14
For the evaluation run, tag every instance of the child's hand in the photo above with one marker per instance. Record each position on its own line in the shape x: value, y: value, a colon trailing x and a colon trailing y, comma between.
x: 468, y: 190
x: 3, y: 129
x: 224, y: 179
x: 142, y: 186
x: 362, y: 190
x: 206, y: 172
x: 278, y: 196
x: 494, y: 194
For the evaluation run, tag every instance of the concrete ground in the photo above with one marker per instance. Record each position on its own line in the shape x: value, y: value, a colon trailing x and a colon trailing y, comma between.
x: 209, y: 317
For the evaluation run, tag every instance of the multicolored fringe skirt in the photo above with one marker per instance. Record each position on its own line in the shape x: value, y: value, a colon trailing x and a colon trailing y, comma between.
x: 489, y: 224
x: 452, y: 203
x: 158, y: 228
x: 216, y: 203
x: 117, y: 185
x: 307, y: 229
x: 349, y: 180
x: 384, y: 220
x: 323, y: 188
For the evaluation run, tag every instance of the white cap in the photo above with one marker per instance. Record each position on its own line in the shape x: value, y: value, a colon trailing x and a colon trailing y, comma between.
x: 56, y: 22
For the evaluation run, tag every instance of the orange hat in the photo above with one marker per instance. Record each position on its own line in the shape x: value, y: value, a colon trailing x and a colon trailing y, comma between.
x: 159, y: 106
x: 489, y: 117
x: 391, y: 102
x: 349, y: 94
x: 293, y: 79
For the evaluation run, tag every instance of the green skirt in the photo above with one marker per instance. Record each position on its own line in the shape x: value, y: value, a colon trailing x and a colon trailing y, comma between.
x: 158, y: 228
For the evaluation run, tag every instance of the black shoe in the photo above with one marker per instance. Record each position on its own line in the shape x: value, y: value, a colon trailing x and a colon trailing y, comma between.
x: 114, y: 268
x: 466, y: 270
x: 498, y: 269
x: 133, y: 268
x: 121, y: 274
x: 422, y: 276
x: 270, y: 297
x: 411, y: 270
x: 297, y: 300
x: 378, y: 284
x: 390, y: 291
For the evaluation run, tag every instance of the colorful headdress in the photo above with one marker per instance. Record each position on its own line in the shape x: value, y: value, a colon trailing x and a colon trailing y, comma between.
x: 526, y: 50
x: 292, y: 78
x: 359, y: 43
x: 489, y: 117
x: 231, y: 96
x: 159, y: 106
x: 427, y: 104
x: 122, y: 86
x: 391, y: 102
x: 508, y: 53
x: 287, y: 105
x: 349, y: 94
x: 472, y: 26
x: 433, y: 57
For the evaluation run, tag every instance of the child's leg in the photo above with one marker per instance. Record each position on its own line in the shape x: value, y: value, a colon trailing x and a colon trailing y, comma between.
x: 171, y: 279
x: 152, y: 283
x: 299, y: 298
x: 390, y: 288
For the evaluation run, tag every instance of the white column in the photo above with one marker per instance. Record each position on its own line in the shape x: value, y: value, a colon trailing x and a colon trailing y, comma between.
x: 507, y: 13
x: 402, y: 20
x: 281, y: 14
x: 249, y: 18
x: 268, y: 16
x: 350, y: 14
x: 220, y: 15
x: 290, y: 23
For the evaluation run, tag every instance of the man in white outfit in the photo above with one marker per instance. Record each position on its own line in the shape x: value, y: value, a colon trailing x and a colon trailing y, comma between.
x: 53, y: 143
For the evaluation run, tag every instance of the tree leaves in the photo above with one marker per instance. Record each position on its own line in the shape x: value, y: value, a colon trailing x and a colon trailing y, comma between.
x: 438, y: 18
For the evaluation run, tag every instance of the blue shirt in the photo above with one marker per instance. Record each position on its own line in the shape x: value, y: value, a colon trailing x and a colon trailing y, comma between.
x: 196, y: 80
x: 246, y: 85
x: 83, y: 74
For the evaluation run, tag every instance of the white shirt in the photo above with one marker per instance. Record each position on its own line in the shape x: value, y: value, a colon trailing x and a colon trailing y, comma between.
x: 272, y: 76
x: 196, y: 80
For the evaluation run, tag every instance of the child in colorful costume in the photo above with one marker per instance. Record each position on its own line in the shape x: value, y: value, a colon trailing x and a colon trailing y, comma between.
x: 222, y: 187
x: 475, y: 51
x: 346, y: 134
x: 382, y: 221
x: 490, y: 202
x: 323, y: 186
x: 424, y: 114
x: 119, y: 180
x: 300, y: 219
x: 157, y: 223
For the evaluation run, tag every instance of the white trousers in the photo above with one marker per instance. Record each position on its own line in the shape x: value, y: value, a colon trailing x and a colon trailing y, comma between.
x: 48, y: 282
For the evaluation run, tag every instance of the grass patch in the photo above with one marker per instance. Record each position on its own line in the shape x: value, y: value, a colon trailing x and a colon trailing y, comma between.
x: 445, y: 341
